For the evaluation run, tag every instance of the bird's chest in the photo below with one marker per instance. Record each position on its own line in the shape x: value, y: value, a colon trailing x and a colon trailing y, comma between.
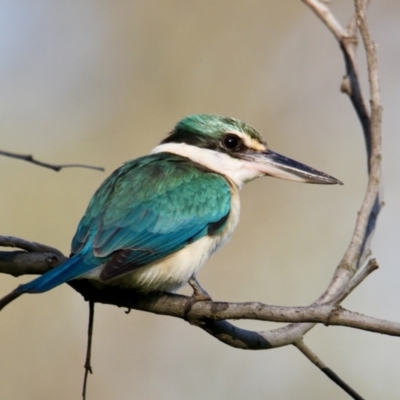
x: 233, y: 218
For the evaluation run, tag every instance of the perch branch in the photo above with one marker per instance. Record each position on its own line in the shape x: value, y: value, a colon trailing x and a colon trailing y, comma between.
x: 211, y: 316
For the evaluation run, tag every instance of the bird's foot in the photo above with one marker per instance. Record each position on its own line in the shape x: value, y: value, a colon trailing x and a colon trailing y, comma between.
x: 199, y: 294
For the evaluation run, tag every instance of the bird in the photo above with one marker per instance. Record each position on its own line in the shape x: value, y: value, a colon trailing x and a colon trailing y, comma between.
x: 154, y: 221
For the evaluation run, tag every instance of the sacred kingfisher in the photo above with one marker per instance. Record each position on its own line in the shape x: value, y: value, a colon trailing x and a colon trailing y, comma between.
x: 154, y: 221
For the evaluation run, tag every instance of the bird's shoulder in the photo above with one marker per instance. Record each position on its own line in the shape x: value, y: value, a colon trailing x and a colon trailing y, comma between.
x: 152, y: 177
x: 162, y: 192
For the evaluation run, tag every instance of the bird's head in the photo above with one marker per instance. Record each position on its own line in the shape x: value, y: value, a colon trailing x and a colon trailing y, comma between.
x: 234, y: 149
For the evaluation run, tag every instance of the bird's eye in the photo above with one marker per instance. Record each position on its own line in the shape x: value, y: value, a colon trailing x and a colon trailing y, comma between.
x: 232, y: 142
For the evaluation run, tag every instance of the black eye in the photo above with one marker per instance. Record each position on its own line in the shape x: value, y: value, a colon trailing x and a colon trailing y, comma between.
x: 232, y: 142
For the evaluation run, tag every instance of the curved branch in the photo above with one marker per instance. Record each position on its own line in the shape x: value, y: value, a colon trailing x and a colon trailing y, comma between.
x: 358, y: 248
x: 12, y: 241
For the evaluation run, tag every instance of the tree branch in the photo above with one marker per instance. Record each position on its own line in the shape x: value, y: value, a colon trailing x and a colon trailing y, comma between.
x: 209, y: 315
x: 88, y: 365
x: 326, y: 370
x: 54, y: 167
x: 36, y: 259
x: 366, y: 221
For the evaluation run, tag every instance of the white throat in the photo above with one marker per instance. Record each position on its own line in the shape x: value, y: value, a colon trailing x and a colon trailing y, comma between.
x: 239, y: 171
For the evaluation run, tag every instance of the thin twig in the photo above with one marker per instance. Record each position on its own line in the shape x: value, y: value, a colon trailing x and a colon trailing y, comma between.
x: 7, y: 299
x: 358, y: 278
x: 326, y: 370
x: 54, y: 167
x: 323, y: 12
x: 373, y: 77
x: 88, y: 366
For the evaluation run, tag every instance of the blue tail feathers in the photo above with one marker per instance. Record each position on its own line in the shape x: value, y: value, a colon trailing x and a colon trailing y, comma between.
x: 65, y: 272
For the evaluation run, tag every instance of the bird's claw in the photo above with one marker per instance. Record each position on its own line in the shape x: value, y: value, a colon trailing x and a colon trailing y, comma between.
x: 199, y: 294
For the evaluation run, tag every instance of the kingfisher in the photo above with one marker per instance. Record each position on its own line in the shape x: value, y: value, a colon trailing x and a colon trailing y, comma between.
x: 154, y: 221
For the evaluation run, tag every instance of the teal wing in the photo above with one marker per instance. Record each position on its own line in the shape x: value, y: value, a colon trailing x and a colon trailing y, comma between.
x: 150, y: 208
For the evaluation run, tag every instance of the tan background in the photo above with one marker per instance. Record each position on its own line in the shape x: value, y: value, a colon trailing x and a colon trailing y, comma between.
x: 103, y: 82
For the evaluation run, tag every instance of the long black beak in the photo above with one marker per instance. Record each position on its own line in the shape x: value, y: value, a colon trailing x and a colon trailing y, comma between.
x: 274, y: 164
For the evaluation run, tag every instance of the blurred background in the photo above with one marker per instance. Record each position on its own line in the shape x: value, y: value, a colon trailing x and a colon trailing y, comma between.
x: 103, y: 82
